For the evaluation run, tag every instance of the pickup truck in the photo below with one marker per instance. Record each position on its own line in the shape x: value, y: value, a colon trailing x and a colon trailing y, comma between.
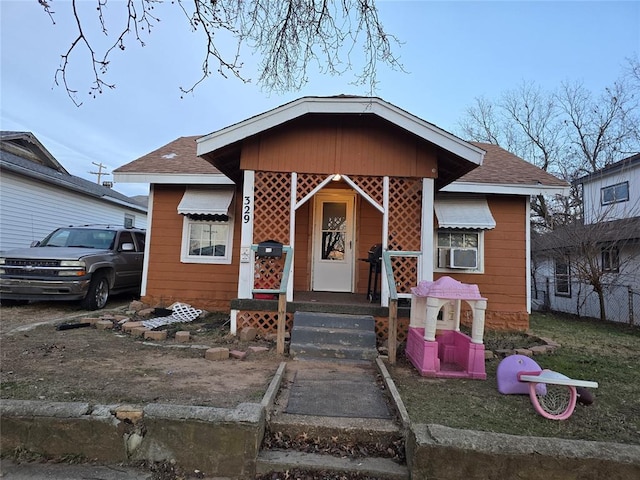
x: 84, y: 263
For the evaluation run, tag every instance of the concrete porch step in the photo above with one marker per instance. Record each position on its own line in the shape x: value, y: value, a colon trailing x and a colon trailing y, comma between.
x: 334, y: 320
x: 330, y: 351
x: 324, y: 336
x: 341, y: 336
x: 286, y: 460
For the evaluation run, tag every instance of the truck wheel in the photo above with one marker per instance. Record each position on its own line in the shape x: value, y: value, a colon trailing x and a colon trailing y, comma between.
x: 98, y: 293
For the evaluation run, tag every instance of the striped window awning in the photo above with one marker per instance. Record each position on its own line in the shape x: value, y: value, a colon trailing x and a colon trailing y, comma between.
x: 210, y: 201
x: 467, y: 213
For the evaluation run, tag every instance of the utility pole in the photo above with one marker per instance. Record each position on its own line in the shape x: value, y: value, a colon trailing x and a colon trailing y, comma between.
x: 99, y: 173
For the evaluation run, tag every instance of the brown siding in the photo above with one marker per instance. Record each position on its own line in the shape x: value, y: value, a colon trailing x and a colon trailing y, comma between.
x: 369, y: 233
x: 203, y: 286
x: 353, y: 146
x: 504, y: 280
x: 302, y: 267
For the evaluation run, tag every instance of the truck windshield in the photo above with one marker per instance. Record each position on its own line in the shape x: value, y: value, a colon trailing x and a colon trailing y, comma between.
x: 85, y: 238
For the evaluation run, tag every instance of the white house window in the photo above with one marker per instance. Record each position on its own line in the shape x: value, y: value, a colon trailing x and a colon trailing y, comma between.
x: 459, y: 238
x: 207, y: 229
x: 129, y: 220
x: 206, y: 241
x: 459, y: 250
x: 615, y: 193
x: 610, y: 260
x: 562, y: 278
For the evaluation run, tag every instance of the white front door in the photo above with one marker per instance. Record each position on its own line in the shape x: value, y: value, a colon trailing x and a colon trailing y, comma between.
x: 333, y: 242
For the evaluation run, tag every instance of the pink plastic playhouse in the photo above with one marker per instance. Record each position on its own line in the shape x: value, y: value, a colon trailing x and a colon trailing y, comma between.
x: 435, y: 345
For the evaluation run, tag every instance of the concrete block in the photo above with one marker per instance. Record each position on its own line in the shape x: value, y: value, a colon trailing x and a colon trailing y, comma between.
x: 433, y: 451
x: 217, y: 353
x: 237, y: 354
x: 524, y: 351
x: 104, y: 324
x: 253, y: 349
x: 90, y: 320
x: 129, y: 413
x: 127, y: 327
x: 221, y: 442
x: 155, y: 335
x: 550, y: 342
x: 145, y: 312
x: 59, y: 429
x: 183, y: 336
x: 488, y: 355
x: 136, y: 305
x: 139, y: 331
x: 248, y: 334
x: 538, y: 349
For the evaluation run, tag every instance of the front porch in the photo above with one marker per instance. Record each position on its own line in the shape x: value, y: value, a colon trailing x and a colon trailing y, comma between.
x: 263, y: 314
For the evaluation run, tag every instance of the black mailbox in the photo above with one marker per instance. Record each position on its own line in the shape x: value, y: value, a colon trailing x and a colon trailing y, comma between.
x: 270, y: 248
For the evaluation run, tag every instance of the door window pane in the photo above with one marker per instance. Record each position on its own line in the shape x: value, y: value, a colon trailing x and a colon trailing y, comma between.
x: 334, y: 224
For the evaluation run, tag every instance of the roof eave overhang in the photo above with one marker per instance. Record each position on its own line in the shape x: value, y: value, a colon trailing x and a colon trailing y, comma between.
x: 615, y: 169
x: 339, y: 105
x: 506, y: 189
x: 173, y: 178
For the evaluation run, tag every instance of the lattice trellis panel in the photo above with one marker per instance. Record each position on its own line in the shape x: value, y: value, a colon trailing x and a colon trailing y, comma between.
x: 265, y: 322
x: 272, y: 207
x: 382, y: 328
x: 372, y: 186
x: 405, y: 213
x: 267, y: 272
x: 405, y: 222
x: 405, y: 273
x: 306, y: 183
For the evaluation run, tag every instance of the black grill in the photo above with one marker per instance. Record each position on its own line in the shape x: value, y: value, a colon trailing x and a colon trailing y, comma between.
x: 375, y: 255
x: 374, y: 259
x: 20, y: 262
x: 31, y: 268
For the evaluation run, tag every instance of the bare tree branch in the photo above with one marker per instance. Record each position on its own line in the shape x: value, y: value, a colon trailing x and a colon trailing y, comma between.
x: 288, y: 36
x: 568, y: 133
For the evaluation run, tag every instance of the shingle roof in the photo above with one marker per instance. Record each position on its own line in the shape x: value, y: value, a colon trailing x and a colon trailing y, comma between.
x: 176, y: 157
x: 27, y: 145
x: 622, y: 230
x: 499, y: 166
x: 22, y: 166
x: 503, y: 167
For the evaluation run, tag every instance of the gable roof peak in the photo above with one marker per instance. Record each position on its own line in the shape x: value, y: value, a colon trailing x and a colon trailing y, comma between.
x: 341, y: 104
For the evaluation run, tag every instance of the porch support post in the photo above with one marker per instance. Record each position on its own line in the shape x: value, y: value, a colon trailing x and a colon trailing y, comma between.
x: 527, y: 236
x: 425, y: 261
x: 245, y: 279
x: 384, y: 286
x: 292, y: 234
x: 282, y: 323
x: 393, y: 330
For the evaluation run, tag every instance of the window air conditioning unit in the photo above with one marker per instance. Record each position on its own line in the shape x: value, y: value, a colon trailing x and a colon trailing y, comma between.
x: 465, y: 258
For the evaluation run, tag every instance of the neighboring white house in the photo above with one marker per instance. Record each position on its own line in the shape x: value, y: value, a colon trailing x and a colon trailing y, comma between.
x: 612, y: 193
x: 611, y: 212
x: 38, y: 195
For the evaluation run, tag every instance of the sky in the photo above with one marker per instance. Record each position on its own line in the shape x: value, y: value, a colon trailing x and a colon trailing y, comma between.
x: 452, y: 52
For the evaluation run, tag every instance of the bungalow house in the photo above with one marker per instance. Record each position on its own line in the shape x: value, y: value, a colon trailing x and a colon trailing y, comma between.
x: 332, y: 178
x: 38, y: 195
x: 603, y: 248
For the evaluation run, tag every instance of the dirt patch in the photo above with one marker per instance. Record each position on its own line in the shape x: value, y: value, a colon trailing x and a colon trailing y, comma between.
x: 40, y: 362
